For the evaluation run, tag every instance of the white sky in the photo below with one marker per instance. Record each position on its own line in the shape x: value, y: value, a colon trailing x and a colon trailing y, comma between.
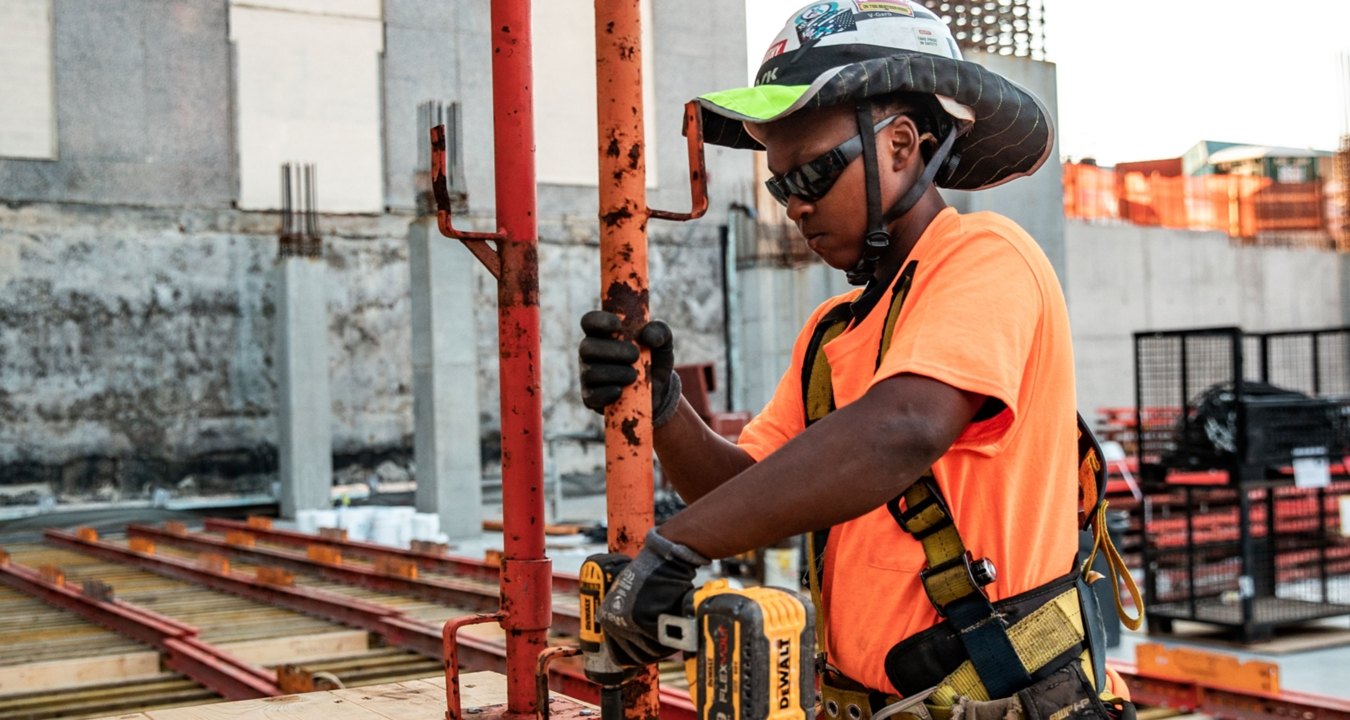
x: 1146, y: 79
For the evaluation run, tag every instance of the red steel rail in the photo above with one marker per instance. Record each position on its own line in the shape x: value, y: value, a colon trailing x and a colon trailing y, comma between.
x: 566, y: 677
x: 1229, y: 704
x: 450, y: 564
x: 462, y: 595
x: 389, y: 623
x: 184, y: 651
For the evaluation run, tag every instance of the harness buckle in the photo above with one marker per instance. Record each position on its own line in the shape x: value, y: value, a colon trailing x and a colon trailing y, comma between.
x: 978, y: 573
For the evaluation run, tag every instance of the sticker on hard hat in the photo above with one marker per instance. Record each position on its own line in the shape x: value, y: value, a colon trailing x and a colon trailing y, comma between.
x: 816, y: 11
x: 775, y: 50
x: 825, y: 25
x: 890, y: 7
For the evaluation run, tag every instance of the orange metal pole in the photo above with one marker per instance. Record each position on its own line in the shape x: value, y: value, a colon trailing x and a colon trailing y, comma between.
x: 623, y: 282
x: 623, y: 261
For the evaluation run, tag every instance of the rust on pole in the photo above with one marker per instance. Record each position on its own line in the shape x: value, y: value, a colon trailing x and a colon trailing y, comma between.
x: 623, y: 263
x: 527, y: 599
x: 698, y: 168
x: 526, y: 573
x: 624, y: 291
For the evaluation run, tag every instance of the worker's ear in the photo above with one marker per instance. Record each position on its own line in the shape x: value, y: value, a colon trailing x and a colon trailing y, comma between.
x: 903, y: 142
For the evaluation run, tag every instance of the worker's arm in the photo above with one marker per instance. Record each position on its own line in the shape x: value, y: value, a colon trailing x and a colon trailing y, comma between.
x: 693, y: 457
x: 851, y: 462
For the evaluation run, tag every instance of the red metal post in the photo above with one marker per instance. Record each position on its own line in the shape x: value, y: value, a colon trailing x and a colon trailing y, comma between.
x: 450, y: 655
x: 541, y: 674
x: 527, y: 599
x: 624, y: 291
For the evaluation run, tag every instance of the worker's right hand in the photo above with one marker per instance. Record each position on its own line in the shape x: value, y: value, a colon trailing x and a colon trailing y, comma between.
x: 654, y: 584
x: 608, y: 364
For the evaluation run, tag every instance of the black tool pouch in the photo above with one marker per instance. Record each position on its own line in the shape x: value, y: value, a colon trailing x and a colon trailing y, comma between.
x: 1065, y: 694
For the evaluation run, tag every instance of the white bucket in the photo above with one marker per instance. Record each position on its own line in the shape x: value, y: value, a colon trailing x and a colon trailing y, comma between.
x: 384, y: 527
x: 324, y: 519
x: 306, y: 521
x: 403, y: 524
x: 356, y: 521
x: 426, y: 526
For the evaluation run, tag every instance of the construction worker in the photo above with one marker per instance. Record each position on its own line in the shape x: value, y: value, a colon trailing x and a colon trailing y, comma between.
x: 924, y: 434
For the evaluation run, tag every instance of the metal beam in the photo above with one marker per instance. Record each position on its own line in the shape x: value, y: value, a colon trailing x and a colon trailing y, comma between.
x: 389, y: 623
x: 449, y: 564
x: 1226, y: 703
x: 184, y: 652
x: 460, y: 595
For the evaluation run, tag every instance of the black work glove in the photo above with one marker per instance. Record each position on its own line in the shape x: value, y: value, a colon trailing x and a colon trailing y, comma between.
x: 654, y: 584
x: 607, y: 364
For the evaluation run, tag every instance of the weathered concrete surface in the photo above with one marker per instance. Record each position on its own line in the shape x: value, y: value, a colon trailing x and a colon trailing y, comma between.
x: 137, y: 346
x: 1123, y: 279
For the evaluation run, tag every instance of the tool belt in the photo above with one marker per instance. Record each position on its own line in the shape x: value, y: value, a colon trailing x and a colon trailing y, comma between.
x: 932, y: 668
x: 843, y: 698
x: 1064, y: 694
x: 1049, y: 613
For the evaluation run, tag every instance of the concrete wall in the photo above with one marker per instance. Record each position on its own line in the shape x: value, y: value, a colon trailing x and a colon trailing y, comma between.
x: 136, y: 320
x: 136, y: 347
x: 1123, y: 279
x: 1037, y: 202
x: 142, y: 107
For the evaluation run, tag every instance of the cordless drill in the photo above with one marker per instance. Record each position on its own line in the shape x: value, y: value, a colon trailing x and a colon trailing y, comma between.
x: 752, y: 650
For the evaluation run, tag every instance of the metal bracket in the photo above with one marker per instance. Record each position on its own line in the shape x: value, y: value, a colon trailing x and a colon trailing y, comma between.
x: 698, y: 169
x: 476, y: 242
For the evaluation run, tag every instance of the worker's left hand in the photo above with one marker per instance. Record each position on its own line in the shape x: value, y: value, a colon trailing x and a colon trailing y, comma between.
x: 654, y: 584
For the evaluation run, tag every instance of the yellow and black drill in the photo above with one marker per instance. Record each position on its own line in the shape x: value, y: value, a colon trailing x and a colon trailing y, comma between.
x: 750, y: 652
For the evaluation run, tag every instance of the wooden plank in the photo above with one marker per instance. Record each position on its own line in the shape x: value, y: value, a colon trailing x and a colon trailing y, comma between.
x: 411, y: 700
x: 301, y: 648
x: 77, y: 672
x: 478, y: 689
x: 310, y: 706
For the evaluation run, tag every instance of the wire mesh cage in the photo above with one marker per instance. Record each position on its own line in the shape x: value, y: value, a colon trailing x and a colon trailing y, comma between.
x: 1250, y: 559
x: 1243, y: 403
x: 1235, y: 535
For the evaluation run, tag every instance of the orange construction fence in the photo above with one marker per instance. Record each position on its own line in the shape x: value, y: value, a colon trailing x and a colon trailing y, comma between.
x: 1241, y: 206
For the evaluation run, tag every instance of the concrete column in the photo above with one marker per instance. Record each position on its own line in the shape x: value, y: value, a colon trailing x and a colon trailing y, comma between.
x: 304, y: 413
x: 1344, y: 260
x: 774, y: 303
x: 445, y: 381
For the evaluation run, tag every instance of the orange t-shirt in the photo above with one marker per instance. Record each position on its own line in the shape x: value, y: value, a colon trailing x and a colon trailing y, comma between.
x: 985, y: 314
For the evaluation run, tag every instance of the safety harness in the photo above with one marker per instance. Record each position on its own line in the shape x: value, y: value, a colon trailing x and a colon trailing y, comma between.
x: 982, y: 650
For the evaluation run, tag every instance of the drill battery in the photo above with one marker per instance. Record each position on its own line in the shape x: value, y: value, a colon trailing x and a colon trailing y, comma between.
x: 754, y: 652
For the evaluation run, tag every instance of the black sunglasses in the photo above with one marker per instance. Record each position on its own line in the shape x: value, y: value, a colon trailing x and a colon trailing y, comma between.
x: 812, y: 179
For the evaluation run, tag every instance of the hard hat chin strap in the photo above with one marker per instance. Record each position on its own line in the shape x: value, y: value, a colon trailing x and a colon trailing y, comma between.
x: 878, y: 238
